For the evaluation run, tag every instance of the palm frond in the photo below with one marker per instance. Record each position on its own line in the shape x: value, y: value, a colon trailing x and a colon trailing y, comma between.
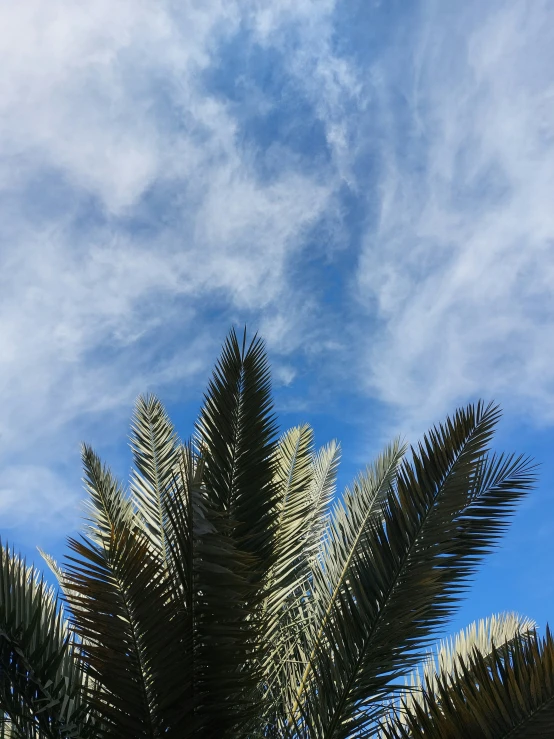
x: 451, y: 654
x: 322, y: 490
x: 449, y: 505
x: 116, y: 587
x: 507, y: 694
x: 108, y: 505
x: 352, y: 519
x: 208, y: 569
x: 285, y: 608
x: 293, y: 478
x: 291, y: 628
x: 40, y: 678
x: 237, y: 434
x: 53, y: 566
x: 155, y: 448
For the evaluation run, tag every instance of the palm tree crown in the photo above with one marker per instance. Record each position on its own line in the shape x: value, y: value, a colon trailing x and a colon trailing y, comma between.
x: 229, y: 593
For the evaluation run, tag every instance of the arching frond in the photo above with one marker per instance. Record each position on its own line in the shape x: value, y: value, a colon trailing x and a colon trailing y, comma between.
x: 451, y: 654
x: 236, y: 433
x: 208, y: 569
x: 41, y: 679
x: 508, y: 694
x: 322, y: 490
x: 116, y: 587
x: 108, y: 505
x: 450, y: 504
x: 352, y: 520
x: 293, y: 478
x: 284, y: 607
x: 53, y: 566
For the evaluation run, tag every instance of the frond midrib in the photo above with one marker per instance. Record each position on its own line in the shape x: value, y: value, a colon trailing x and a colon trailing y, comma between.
x: 529, y: 717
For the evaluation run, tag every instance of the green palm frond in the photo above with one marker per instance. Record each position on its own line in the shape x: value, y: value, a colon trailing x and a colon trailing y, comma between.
x: 306, y: 482
x: 285, y: 605
x: 221, y: 669
x: 209, y: 570
x: 352, y: 519
x: 155, y: 447
x: 41, y: 679
x: 108, y: 505
x: 293, y: 478
x: 237, y: 434
x: 186, y: 528
x: 115, y: 585
x: 450, y: 504
x: 508, y: 694
x: 295, y: 622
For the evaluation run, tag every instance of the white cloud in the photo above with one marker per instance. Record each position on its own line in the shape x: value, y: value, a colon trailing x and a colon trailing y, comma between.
x: 26, y: 492
x: 458, y: 273
x: 100, y: 104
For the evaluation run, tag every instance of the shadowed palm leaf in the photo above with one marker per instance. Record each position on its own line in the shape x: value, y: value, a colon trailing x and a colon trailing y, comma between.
x: 451, y: 655
x: 508, y: 693
x: 41, y: 680
x: 115, y: 585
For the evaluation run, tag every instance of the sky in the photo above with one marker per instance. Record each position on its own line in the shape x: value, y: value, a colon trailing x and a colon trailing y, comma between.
x: 368, y: 184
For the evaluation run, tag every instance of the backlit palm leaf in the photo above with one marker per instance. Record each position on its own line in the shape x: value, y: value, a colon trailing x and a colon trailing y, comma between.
x: 322, y: 490
x: 115, y: 585
x: 155, y: 447
x: 451, y: 654
x: 352, y: 519
x: 508, y: 694
x: 285, y: 607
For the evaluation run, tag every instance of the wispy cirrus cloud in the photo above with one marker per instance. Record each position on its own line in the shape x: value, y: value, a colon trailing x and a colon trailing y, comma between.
x: 134, y: 205
x: 457, y: 272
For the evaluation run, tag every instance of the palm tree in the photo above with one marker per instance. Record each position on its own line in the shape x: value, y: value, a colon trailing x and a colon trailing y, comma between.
x: 230, y: 594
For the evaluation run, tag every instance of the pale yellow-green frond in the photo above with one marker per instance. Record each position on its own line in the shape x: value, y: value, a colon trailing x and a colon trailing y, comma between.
x: 155, y: 447
x: 325, y: 464
x: 450, y: 654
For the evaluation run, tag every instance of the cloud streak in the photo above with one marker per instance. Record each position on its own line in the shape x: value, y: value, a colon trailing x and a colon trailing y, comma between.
x: 131, y: 208
x: 459, y: 268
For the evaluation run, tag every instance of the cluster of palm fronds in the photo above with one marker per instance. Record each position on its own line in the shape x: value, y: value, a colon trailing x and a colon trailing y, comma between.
x: 230, y: 595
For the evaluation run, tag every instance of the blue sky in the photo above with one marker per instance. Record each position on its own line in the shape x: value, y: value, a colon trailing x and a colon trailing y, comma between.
x: 367, y: 184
